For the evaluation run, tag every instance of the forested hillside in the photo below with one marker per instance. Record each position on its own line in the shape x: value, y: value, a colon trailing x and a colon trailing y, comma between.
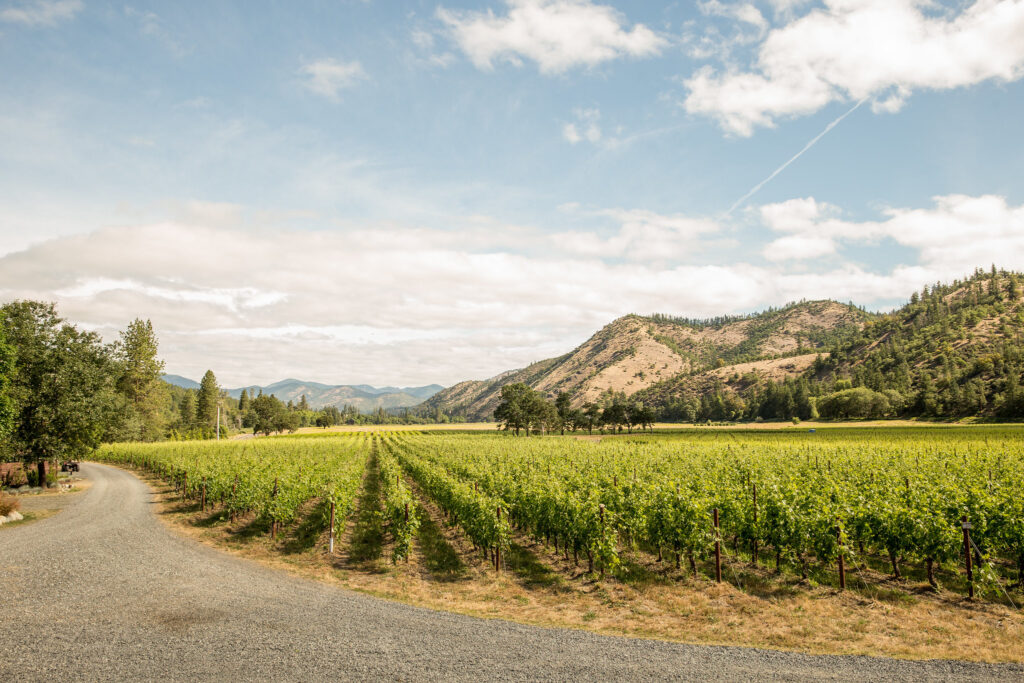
x: 953, y: 351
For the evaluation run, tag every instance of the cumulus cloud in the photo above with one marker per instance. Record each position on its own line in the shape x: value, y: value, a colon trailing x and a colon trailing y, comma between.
x: 41, y: 12
x: 955, y: 235
x: 855, y: 49
x: 409, y: 305
x: 556, y: 34
x: 328, y: 77
x: 362, y: 305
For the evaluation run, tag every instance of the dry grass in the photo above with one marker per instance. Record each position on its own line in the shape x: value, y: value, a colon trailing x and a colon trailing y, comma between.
x: 8, y: 504
x: 653, y: 600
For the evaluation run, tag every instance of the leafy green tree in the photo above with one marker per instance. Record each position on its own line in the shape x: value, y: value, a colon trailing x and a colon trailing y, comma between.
x: 514, y: 410
x: 267, y: 414
x: 206, y: 401
x: 63, y: 386
x: 6, y: 374
x: 563, y: 406
x: 243, y: 401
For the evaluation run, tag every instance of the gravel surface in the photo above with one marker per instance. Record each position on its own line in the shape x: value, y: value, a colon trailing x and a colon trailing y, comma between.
x: 103, y: 591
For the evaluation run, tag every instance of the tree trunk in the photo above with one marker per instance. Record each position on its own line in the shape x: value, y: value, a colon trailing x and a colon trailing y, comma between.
x: 778, y: 560
x: 929, y: 564
x: 693, y: 564
x: 803, y: 567
x: 41, y: 470
x: 895, y: 566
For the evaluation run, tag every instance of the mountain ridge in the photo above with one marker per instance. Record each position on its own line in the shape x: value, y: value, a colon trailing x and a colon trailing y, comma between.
x: 364, y: 397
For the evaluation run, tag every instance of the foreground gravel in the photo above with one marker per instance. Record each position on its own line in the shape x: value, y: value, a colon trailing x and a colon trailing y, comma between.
x: 102, y: 591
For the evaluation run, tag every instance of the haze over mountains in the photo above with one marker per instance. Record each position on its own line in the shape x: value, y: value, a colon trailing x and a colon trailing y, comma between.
x: 364, y: 397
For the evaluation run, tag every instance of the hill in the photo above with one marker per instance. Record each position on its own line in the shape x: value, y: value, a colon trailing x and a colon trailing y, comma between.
x: 954, y: 350
x: 637, y: 352
x: 365, y: 398
x: 179, y: 381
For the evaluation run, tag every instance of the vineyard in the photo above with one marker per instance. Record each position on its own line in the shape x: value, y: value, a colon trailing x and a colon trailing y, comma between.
x: 825, y: 506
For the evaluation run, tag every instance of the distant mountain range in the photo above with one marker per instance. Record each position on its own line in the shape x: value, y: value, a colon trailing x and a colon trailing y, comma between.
x: 364, y: 397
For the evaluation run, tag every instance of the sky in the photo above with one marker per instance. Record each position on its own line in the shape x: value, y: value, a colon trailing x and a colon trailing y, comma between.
x: 402, y: 193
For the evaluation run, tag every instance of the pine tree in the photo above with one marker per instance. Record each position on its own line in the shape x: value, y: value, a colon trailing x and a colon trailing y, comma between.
x: 206, y: 400
x: 140, y: 382
x: 243, y: 401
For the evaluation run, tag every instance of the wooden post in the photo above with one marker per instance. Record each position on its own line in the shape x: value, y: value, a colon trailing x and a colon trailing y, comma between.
x: 753, y: 549
x: 234, y: 486
x: 184, y: 487
x: 330, y: 543
x: 842, y: 569
x: 497, y: 547
x: 966, y: 526
x: 273, y: 522
x: 718, y: 550
x: 601, y: 510
x: 202, y: 498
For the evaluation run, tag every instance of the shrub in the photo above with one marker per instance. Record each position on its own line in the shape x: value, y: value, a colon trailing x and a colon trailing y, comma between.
x: 8, y: 504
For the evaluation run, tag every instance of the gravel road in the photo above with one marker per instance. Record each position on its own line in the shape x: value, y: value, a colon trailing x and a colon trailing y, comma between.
x: 102, y: 591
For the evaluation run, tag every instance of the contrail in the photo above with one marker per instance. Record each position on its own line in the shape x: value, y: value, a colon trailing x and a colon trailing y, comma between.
x: 796, y: 156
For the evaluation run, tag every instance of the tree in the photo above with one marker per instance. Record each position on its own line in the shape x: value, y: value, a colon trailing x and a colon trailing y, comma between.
x: 268, y: 414
x: 206, y: 401
x: 139, y: 382
x: 6, y: 375
x: 591, y: 416
x: 187, y: 411
x: 513, y: 411
x: 62, y: 386
x: 563, y: 405
x: 243, y: 401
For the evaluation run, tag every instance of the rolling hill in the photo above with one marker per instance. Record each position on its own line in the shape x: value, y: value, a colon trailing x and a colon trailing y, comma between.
x: 637, y: 352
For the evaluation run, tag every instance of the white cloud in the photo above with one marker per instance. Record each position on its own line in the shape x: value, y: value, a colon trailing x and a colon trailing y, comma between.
x: 328, y: 77
x: 642, y: 236
x: 956, y: 235
x: 41, y: 12
x: 743, y: 12
x: 855, y: 49
x: 410, y: 305
x: 556, y: 34
x: 586, y: 127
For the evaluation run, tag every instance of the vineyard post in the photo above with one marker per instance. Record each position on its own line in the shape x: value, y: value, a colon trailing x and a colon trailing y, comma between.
x: 842, y: 569
x: 330, y: 545
x: 234, y: 486
x: 184, y: 487
x: 273, y: 522
x: 966, y: 526
x: 753, y: 551
x: 202, y: 497
x: 601, y: 509
x: 497, y: 546
x: 718, y: 550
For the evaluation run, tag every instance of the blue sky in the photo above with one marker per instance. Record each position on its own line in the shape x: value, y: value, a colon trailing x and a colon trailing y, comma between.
x: 397, y: 193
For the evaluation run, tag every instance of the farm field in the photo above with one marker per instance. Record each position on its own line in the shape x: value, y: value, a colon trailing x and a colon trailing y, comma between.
x: 616, y: 534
